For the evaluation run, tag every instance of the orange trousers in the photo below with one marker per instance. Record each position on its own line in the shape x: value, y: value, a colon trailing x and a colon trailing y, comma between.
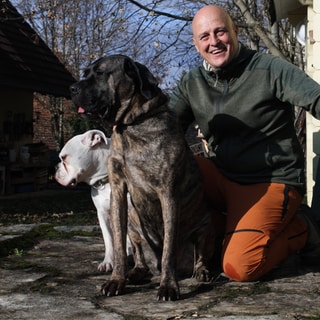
x: 257, y: 222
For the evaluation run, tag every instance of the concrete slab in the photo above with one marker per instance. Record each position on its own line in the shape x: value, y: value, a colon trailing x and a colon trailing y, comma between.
x: 58, y: 279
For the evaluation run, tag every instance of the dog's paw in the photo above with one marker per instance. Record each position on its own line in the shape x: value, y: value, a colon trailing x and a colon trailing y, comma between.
x: 105, y: 266
x: 113, y: 287
x: 202, y: 274
x: 168, y: 292
x: 137, y: 275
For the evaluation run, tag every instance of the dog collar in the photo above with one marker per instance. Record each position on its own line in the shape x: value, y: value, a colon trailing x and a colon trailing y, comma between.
x: 100, y: 184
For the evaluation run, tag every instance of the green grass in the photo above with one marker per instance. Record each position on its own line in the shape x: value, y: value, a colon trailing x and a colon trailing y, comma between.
x: 59, y: 207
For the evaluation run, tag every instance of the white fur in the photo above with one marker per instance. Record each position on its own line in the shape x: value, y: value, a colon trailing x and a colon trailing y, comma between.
x: 84, y: 159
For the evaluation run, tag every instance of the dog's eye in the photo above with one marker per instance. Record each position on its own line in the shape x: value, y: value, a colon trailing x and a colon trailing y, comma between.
x: 86, y: 73
x: 99, y: 73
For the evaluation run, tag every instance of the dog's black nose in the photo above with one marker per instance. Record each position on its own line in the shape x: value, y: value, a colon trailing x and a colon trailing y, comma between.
x: 74, y: 89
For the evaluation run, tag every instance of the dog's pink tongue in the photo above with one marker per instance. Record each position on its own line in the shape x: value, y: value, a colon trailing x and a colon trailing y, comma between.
x: 81, y: 110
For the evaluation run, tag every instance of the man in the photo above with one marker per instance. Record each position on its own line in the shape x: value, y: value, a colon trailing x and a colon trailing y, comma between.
x: 242, y: 101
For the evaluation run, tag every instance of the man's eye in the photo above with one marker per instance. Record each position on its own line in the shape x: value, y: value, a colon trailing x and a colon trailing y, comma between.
x: 220, y: 33
x: 204, y: 37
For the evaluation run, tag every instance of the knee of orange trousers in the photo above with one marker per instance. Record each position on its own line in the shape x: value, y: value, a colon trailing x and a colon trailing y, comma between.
x: 242, y: 271
x: 246, y: 256
x: 244, y: 262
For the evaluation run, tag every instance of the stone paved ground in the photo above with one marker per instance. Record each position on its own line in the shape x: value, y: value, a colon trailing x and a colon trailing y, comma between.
x: 57, y: 278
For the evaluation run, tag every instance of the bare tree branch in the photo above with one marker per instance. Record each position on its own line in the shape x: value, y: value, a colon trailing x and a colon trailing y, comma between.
x: 255, y: 25
x: 161, y: 13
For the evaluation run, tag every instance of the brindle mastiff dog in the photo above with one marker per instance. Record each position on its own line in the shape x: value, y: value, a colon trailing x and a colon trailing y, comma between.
x: 150, y: 159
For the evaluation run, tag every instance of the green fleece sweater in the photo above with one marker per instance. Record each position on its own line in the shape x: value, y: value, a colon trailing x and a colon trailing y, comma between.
x: 245, y: 113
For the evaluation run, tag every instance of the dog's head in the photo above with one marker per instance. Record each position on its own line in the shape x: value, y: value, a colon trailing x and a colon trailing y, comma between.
x: 113, y: 89
x: 83, y: 159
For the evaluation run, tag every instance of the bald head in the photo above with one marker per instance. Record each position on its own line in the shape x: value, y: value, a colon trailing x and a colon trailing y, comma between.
x: 210, y: 12
x: 215, y: 35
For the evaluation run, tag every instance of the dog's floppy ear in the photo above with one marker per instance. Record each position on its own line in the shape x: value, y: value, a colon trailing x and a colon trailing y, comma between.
x: 146, y: 81
x: 92, y: 138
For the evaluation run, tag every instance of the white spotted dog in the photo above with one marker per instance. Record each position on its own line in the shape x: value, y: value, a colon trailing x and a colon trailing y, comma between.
x: 84, y: 159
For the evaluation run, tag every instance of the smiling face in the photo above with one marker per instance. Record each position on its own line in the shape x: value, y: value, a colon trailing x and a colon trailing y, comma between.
x: 215, y: 36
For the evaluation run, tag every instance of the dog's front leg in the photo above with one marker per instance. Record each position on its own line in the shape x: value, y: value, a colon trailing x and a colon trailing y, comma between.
x: 204, y: 250
x: 169, y: 289
x: 107, y: 263
x: 118, y: 214
x: 101, y: 200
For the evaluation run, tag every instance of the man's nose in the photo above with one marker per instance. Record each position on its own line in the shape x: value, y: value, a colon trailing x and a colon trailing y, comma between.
x: 214, y: 39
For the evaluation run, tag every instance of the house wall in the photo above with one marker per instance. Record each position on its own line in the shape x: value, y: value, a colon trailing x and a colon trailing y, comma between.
x: 42, y: 127
x: 46, y: 122
x: 313, y: 125
x: 15, y: 118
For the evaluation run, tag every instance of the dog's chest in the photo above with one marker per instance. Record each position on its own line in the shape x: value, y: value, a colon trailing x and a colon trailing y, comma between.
x: 145, y: 151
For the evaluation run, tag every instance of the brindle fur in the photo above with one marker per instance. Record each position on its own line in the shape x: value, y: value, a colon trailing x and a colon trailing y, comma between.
x: 150, y: 159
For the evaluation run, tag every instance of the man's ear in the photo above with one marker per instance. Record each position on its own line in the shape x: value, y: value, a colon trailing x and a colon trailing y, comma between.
x: 236, y: 29
x: 195, y: 44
